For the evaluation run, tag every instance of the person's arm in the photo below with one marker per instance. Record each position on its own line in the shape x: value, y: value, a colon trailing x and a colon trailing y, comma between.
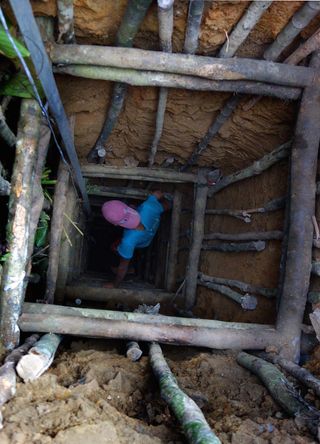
x: 121, y: 272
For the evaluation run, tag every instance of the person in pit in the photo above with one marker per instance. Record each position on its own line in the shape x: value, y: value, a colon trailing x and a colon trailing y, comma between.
x: 140, y: 227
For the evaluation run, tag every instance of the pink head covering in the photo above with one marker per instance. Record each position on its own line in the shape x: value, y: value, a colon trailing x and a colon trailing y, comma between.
x: 118, y: 213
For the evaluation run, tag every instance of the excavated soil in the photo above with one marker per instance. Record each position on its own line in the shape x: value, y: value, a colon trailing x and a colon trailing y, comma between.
x: 94, y: 394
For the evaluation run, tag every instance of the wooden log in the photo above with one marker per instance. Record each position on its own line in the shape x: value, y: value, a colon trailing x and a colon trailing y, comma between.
x: 238, y: 247
x: 256, y: 168
x: 281, y: 390
x: 298, y: 21
x: 5, y: 132
x: 138, y: 173
x: 39, y: 357
x: 150, y: 78
x: 138, y: 326
x: 300, y: 235
x: 165, y: 18
x: 12, y: 283
x: 189, y: 415
x: 243, y: 28
x: 262, y: 235
x: 247, y: 301
x: 189, y: 65
x: 134, y: 193
x: 300, y: 373
x: 5, y: 186
x: 133, y: 351
x: 174, y: 241
x: 59, y: 205
x: 65, y: 21
x: 306, y: 48
x: 313, y: 297
x: 131, y: 21
x: 193, y: 26
x: 243, y: 286
x: 200, y: 204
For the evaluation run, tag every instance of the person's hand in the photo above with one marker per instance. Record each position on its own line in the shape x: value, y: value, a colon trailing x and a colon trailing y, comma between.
x: 158, y: 194
x: 109, y: 285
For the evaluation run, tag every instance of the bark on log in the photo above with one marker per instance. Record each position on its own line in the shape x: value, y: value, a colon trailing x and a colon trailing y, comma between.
x: 174, y: 241
x: 138, y: 173
x: 256, y: 168
x: 5, y: 132
x: 189, y: 415
x: 306, y: 48
x: 65, y: 21
x: 165, y: 18
x: 39, y: 357
x: 5, y: 187
x: 263, y: 235
x: 134, y: 193
x: 242, y: 29
x: 193, y: 26
x: 247, y: 301
x: 189, y: 65
x: 12, y: 283
x: 235, y: 247
x: 298, y: 21
x: 300, y: 373
x: 133, y: 351
x: 281, y: 390
x: 59, y: 205
x: 200, y: 204
x: 131, y: 21
x: 300, y: 235
x: 149, y: 78
x: 243, y: 286
x: 137, y: 326
x: 315, y: 320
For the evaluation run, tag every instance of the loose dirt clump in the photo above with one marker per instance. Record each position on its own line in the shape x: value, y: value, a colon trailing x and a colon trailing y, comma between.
x: 94, y: 394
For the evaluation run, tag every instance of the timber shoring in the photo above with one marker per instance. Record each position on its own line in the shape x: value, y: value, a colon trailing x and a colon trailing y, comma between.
x: 189, y: 65
x: 193, y: 26
x: 12, y: 283
x: 174, y: 241
x: 137, y: 326
x: 259, y: 235
x: 302, y: 206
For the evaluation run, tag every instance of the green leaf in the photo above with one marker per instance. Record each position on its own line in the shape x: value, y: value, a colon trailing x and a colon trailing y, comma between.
x: 6, y: 47
x: 42, y: 230
x: 19, y: 86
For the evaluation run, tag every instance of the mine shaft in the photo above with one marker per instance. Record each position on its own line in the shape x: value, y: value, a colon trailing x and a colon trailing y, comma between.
x: 159, y: 223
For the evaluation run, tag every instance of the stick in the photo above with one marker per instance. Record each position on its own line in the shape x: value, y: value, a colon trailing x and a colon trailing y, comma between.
x: 266, y: 292
x: 190, y: 417
x: 235, y: 247
x: 315, y: 321
x: 189, y: 65
x: 306, y: 48
x: 5, y: 186
x: 39, y: 357
x: 266, y: 235
x: 174, y: 241
x: 280, y: 389
x: 300, y: 236
x: 134, y: 193
x: 138, y: 326
x: 247, y: 301
x: 12, y: 283
x: 132, y: 19
x: 65, y: 21
x: 5, y: 132
x: 200, y: 204
x: 59, y: 205
x: 256, y: 168
x: 193, y: 26
x: 298, y: 21
x: 244, y: 26
x: 134, y: 351
x: 165, y: 17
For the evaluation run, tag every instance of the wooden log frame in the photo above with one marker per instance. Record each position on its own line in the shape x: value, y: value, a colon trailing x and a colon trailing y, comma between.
x: 200, y: 203
x: 193, y: 26
x: 103, y: 191
x: 189, y: 65
x: 174, y: 241
x: 131, y: 21
x: 137, y: 326
x: 5, y: 132
x: 306, y: 48
x: 266, y: 235
x: 65, y: 21
x: 299, y: 21
x: 138, y: 173
x: 5, y: 185
x: 234, y: 247
x: 300, y: 235
x: 12, y: 282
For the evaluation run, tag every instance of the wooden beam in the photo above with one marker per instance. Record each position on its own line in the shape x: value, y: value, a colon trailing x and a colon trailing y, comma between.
x: 193, y: 26
x: 133, y: 193
x: 190, y: 65
x: 263, y: 235
x: 174, y: 241
x: 137, y: 326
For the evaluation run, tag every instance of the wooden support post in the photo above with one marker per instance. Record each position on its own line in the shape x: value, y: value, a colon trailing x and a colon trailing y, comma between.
x: 193, y: 26
x: 246, y: 301
x: 59, y: 206
x: 12, y: 283
x: 131, y: 193
x: 174, y: 241
x: 189, y: 415
x: 65, y: 21
x: 5, y: 186
x: 235, y: 247
x: 306, y: 48
x: 200, y: 203
x: 5, y: 132
x: 302, y: 207
x: 144, y: 327
x: 263, y: 235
